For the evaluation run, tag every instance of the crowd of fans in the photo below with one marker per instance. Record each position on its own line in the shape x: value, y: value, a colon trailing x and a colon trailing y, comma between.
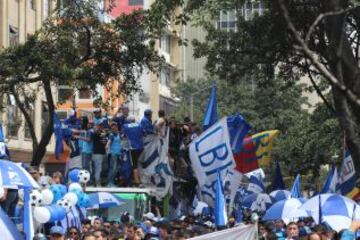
x: 106, y: 144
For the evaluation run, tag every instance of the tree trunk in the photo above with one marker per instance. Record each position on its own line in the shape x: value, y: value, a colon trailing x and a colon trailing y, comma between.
x: 344, y: 66
x: 40, y: 151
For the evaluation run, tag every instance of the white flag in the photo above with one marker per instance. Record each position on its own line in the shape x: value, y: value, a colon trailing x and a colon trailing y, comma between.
x: 243, y: 231
x: 211, y: 153
x: 155, y: 171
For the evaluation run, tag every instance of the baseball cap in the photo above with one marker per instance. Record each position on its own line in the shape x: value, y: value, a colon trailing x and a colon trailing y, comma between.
x: 149, y: 216
x: 57, y: 230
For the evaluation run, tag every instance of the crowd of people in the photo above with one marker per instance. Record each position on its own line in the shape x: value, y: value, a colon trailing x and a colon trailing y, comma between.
x: 305, y: 229
x: 125, y: 228
x: 105, y: 144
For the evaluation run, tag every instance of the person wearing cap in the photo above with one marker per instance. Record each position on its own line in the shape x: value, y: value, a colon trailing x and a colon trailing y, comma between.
x: 121, y: 117
x: 57, y: 233
x: 146, y: 122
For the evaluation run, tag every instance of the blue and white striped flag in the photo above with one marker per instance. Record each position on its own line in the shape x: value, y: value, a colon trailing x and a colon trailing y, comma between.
x: 331, y: 181
x: 221, y: 219
x: 347, y: 178
x: 256, y: 185
x: 155, y: 170
x: 296, y: 188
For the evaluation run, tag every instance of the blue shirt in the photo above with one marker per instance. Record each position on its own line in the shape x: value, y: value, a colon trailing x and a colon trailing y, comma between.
x: 115, y: 144
x: 87, y: 147
x: 134, y: 132
x: 121, y: 121
x: 147, y: 125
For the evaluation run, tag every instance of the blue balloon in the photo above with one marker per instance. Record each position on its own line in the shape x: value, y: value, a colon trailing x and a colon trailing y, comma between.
x: 74, y: 175
x: 63, y: 189
x: 57, y: 192
x: 57, y: 213
x: 84, y: 201
x: 78, y: 193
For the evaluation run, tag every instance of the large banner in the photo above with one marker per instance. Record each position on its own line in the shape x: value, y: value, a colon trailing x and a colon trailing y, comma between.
x: 211, y: 153
x: 154, y: 167
x: 248, y: 232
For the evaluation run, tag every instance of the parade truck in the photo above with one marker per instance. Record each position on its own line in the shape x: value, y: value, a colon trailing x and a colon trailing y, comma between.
x: 136, y: 201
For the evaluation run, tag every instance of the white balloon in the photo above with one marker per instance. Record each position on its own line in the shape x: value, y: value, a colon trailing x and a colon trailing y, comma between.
x: 75, y: 186
x: 65, y: 203
x: 47, y: 196
x: 41, y: 214
x: 35, y: 198
x: 72, y: 197
x: 2, y: 192
x: 84, y: 176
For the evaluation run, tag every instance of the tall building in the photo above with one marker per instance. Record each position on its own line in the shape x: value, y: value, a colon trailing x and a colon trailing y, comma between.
x: 156, y: 88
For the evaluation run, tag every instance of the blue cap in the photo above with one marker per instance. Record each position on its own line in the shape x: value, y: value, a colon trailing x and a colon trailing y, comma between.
x: 147, y: 111
x: 57, y: 230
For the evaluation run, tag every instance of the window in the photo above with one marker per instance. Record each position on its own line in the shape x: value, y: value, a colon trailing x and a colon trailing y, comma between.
x: 165, y: 43
x: 65, y: 93
x: 46, y: 8
x: 227, y: 20
x: 136, y: 2
x: 32, y: 4
x: 165, y: 77
x: 13, y: 36
x: 13, y: 118
x: 85, y: 93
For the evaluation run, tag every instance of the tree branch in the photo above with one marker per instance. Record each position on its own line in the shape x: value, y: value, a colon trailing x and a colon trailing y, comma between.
x: 311, y: 56
x: 318, y: 91
x: 322, y: 16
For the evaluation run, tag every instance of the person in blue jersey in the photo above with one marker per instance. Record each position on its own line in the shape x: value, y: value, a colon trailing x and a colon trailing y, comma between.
x: 146, y: 122
x: 121, y: 117
x: 134, y: 134
x: 114, y: 148
x: 85, y: 136
x: 99, y: 119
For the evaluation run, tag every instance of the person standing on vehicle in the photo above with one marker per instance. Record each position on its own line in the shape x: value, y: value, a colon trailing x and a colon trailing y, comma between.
x: 134, y: 134
x: 114, y: 148
x: 99, y: 152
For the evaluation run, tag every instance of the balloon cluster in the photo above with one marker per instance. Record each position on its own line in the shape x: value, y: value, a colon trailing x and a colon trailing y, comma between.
x: 53, y: 203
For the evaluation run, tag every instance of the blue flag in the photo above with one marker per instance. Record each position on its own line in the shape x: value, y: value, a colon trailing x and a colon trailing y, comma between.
x: 296, y: 188
x: 59, y: 145
x: 278, y: 182
x: 331, y: 181
x: 238, y: 128
x: 347, y: 178
x: 2, y: 137
x: 256, y: 185
x: 220, y: 205
x: 211, y: 116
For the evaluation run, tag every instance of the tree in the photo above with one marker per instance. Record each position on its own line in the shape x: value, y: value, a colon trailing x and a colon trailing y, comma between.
x: 75, y: 48
x: 322, y: 41
x: 304, y: 144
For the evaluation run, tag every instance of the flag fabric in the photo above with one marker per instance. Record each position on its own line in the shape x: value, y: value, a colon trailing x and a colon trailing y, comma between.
x: 8, y: 229
x: 211, y: 153
x: 347, y: 177
x: 234, y: 177
x: 221, y: 219
x: 256, y: 185
x: 296, y: 188
x: 211, y: 116
x: 59, y: 145
x: 238, y: 128
x: 155, y: 170
x: 278, y: 182
x: 256, y: 151
x: 243, y: 231
x: 2, y: 136
x: 331, y: 181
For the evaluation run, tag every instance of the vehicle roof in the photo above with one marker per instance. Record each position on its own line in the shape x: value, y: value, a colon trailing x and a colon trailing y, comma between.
x: 148, y: 191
